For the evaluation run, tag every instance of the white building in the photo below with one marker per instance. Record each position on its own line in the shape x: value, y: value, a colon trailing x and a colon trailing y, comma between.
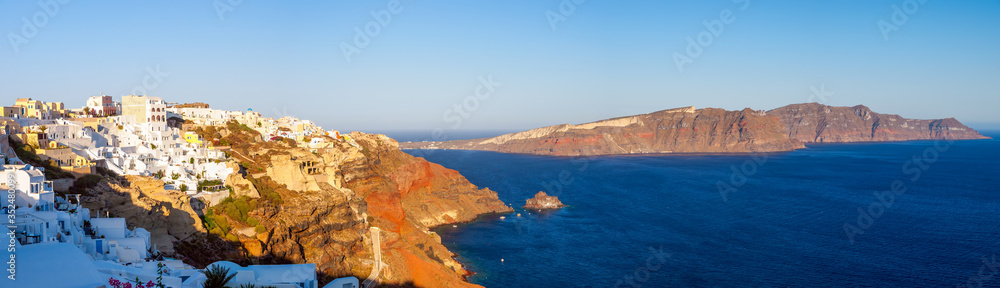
x: 150, y: 112
x: 102, y: 105
x: 32, y: 191
x: 279, y: 276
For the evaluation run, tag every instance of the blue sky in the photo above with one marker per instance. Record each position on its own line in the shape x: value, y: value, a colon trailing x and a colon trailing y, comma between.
x: 606, y: 59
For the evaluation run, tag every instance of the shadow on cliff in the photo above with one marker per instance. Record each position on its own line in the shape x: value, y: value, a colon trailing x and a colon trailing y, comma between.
x: 205, y: 249
x: 194, y: 247
x: 198, y: 252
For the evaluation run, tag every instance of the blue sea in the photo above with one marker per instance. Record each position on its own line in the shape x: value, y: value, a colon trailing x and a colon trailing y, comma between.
x: 900, y: 214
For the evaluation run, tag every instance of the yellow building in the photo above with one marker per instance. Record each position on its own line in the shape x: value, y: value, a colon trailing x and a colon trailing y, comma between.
x: 67, y: 158
x: 55, y: 106
x: 80, y: 161
x: 192, y: 138
x: 40, y: 110
x: 62, y: 155
x: 56, y: 110
x: 34, y: 139
x: 30, y: 108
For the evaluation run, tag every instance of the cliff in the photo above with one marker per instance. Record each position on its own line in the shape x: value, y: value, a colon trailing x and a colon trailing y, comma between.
x: 169, y: 215
x: 681, y: 130
x: 711, y: 130
x: 319, y: 205
x: 812, y: 122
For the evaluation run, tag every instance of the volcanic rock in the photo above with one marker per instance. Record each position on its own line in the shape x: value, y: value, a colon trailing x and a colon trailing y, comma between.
x: 681, y: 130
x: 711, y: 130
x: 816, y: 123
x: 543, y: 201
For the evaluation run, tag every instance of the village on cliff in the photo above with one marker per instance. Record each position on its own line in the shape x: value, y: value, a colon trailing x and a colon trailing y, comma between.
x: 55, y: 241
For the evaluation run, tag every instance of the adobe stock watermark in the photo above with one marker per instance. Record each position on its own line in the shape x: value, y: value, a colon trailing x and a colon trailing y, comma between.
x: 462, y: 110
x: 225, y: 6
x: 713, y: 29
x: 278, y: 114
x: 740, y: 175
x: 566, y: 176
x: 152, y: 80
x: 884, y: 200
x: 565, y: 9
x: 364, y: 36
x: 48, y: 9
x: 900, y: 14
x: 11, y: 217
x: 654, y: 262
x: 982, y: 277
x: 819, y: 95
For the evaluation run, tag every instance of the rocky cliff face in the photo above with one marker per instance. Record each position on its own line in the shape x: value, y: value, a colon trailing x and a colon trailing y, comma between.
x: 814, y: 122
x: 318, y: 206
x: 168, y: 215
x: 681, y: 130
x: 406, y: 196
x: 715, y: 131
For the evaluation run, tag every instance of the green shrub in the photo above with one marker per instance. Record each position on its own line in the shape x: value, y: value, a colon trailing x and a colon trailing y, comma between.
x: 268, y: 189
x: 231, y: 211
x: 259, y: 229
x: 221, y: 222
x: 217, y: 231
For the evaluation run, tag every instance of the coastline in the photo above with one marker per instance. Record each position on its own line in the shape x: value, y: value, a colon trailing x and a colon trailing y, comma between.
x: 806, y: 144
x: 466, y: 263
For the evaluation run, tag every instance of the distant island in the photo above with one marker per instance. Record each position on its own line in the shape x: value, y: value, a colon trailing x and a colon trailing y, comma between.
x: 713, y: 130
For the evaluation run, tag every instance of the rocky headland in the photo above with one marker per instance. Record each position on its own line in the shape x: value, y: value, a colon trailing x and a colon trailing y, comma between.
x: 712, y: 130
x: 817, y: 123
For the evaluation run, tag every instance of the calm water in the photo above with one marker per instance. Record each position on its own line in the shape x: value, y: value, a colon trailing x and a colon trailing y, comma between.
x: 658, y: 221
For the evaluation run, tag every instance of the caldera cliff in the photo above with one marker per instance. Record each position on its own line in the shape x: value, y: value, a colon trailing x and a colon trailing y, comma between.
x: 681, y: 130
x: 711, y: 130
x: 813, y: 122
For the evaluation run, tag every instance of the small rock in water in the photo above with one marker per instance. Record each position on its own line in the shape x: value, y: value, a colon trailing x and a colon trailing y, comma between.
x: 543, y: 201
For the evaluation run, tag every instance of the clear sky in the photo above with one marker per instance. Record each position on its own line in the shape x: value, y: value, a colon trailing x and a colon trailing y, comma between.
x: 603, y: 59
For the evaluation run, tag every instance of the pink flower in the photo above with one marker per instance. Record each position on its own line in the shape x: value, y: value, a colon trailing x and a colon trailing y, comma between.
x: 128, y: 285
